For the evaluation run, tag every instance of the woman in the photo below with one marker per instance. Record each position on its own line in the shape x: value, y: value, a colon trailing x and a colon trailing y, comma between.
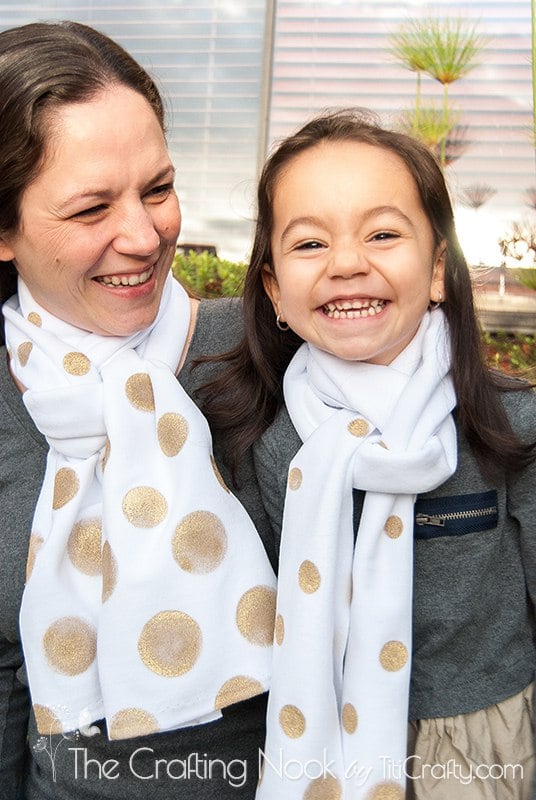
x: 399, y: 475
x: 145, y: 594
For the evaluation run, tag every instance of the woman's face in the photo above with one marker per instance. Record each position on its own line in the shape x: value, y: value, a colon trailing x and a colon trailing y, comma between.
x: 354, y: 261
x: 99, y: 224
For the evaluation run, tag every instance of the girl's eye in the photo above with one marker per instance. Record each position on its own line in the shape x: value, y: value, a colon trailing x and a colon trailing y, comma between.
x: 312, y: 245
x: 383, y: 236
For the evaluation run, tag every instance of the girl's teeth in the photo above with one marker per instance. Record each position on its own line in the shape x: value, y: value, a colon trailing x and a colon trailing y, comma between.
x: 354, y: 309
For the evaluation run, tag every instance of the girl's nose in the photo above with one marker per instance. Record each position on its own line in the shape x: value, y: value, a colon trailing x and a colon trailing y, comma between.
x: 347, y: 262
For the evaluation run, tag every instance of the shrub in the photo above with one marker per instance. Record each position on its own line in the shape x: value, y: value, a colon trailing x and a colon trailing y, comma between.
x: 511, y: 352
x: 208, y: 275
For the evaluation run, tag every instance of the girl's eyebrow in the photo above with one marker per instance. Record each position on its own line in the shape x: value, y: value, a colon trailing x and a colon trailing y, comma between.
x: 367, y: 215
x: 393, y: 210
x: 294, y: 223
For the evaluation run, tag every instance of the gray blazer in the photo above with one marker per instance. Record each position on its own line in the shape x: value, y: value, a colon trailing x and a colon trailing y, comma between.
x: 474, y: 571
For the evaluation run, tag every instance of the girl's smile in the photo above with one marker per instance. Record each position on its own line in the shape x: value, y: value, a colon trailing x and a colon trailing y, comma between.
x: 354, y: 260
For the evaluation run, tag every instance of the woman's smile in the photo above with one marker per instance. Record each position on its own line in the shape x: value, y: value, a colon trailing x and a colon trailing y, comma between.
x: 97, y: 235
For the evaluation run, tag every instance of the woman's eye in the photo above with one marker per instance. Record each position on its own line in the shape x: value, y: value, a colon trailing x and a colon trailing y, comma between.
x: 90, y: 212
x: 160, y: 192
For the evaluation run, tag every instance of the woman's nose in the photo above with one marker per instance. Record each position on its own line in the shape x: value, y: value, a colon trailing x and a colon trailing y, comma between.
x: 137, y: 234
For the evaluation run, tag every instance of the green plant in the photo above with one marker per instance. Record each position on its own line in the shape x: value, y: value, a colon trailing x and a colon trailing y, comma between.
x: 408, y: 45
x: 510, y: 352
x: 430, y: 126
x: 446, y: 50
x: 526, y: 277
x: 208, y: 275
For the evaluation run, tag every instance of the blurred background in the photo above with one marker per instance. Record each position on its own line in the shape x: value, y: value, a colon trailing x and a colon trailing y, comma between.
x: 239, y: 74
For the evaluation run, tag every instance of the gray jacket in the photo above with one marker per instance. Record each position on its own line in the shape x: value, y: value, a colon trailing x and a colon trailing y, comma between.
x: 474, y: 575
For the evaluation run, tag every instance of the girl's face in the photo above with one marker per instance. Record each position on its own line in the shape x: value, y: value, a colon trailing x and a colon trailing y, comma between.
x: 354, y: 262
x: 98, y: 225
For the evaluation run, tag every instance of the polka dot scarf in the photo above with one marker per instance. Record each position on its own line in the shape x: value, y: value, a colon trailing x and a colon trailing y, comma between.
x: 149, y: 598
x: 338, y: 707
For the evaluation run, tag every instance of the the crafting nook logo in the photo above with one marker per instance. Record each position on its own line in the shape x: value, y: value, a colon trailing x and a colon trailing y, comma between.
x: 50, y: 743
x: 144, y: 766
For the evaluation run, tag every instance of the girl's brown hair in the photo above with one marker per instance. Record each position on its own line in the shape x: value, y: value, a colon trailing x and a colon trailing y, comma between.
x: 247, y: 395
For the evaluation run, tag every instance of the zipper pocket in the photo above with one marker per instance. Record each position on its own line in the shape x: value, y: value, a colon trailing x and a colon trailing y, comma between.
x: 456, y: 515
x: 441, y: 519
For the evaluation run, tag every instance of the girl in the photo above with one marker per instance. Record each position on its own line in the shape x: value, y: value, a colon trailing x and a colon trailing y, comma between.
x: 407, y: 571
x: 136, y: 598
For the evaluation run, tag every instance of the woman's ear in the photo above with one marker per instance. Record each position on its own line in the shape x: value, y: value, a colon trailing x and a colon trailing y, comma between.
x: 271, y: 287
x: 6, y: 252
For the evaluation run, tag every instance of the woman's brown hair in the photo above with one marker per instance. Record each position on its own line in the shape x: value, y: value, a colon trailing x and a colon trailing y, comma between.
x: 43, y: 66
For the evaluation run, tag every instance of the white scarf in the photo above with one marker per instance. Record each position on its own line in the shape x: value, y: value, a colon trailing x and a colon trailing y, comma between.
x: 149, y: 598
x: 338, y: 707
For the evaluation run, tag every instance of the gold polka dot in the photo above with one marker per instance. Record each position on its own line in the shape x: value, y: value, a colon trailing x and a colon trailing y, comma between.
x: 236, y: 689
x: 170, y: 643
x: 388, y: 790
x: 144, y: 507
x: 327, y: 787
x: 34, y: 546
x: 46, y: 721
x: 358, y: 427
x: 292, y: 721
x: 393, y: 656
x: 23, y: 352
x: 84, y: 546
x: 172, y: 431
x: 349, y: 718
x: 109, y: 572
x: 295, y: 478
x: 200, y: 542
x: 105, y: 454
x: 35, y: 319
x: 76, y: 364
x: 70, y: 645
x: 66, y: 485
x: 255, y: 615
x: 394, y: 527
x: 279, y: 629
x: 218, y: 474
x: 308, y: 577
x: 139, y: 391
x: 132, y: 722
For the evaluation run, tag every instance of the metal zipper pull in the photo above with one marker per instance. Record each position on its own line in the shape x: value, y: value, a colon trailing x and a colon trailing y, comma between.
x: 426, y: 519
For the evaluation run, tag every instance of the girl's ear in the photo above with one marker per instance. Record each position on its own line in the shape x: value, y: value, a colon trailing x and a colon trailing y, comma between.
x: 437, y: 288
x: 271, y: 287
